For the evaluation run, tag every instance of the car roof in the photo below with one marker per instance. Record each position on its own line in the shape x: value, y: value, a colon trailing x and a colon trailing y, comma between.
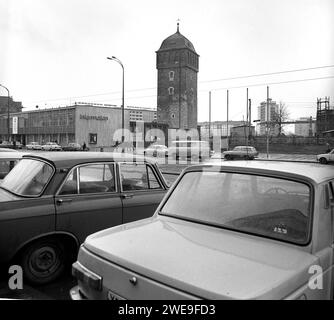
x: 7, y: 150
x: 12, y: 155
x: 301, y: 170
x: 69, y: 159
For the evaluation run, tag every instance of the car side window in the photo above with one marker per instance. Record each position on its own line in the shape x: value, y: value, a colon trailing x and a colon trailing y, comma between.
x: 138, y: 177
x: 70, y: 185
x: 96, y: 178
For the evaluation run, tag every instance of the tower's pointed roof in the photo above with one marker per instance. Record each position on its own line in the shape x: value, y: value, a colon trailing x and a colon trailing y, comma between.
x: 176, y: 41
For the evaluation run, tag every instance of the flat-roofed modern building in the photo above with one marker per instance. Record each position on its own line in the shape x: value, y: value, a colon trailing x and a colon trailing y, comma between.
x: 96, y: 125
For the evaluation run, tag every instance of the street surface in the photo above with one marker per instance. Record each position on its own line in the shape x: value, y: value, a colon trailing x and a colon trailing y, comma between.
x: 59, y: 290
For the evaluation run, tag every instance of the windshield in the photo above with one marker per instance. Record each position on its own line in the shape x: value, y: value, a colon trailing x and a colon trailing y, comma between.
x: 261, y: 205
x: 28, y: 178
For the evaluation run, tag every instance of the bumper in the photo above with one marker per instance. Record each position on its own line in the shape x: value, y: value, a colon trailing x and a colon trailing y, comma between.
x: 75, y: 294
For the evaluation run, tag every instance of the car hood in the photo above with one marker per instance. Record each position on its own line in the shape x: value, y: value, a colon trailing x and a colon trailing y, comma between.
x: 208, y: 262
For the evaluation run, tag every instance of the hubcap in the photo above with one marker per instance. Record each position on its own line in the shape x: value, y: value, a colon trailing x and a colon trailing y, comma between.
x: 44, y: 260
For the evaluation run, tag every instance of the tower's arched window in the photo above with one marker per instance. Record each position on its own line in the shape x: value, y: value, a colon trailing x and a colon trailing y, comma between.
x: 171, y: 75
x: 170, y: 91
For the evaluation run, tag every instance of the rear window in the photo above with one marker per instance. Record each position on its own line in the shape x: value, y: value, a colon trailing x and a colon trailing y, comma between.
x: 261, y: 205
x: 28, y: 178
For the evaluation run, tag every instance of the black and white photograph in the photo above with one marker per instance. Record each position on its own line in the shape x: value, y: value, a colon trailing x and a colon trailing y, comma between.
x: 166, y: 151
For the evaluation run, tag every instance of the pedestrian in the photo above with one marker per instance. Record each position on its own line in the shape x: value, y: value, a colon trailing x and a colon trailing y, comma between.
x: 84, y: 146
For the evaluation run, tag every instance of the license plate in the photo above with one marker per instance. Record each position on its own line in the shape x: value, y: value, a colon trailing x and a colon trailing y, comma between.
x: 113, y: 296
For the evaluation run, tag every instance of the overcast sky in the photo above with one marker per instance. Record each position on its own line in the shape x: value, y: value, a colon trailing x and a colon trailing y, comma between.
x: 53, y: 52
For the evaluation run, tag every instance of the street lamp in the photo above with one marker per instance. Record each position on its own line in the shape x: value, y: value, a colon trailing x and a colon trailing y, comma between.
x: 119, y: 61
x: 8, y: 116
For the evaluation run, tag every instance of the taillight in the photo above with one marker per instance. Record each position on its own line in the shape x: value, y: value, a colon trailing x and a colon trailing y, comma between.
x: 93, y: 280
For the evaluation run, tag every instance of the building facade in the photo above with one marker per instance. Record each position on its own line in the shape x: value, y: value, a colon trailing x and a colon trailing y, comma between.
x: 305, y: 129
x: 14, y: 106
x: 217, y: 129
x: 97, y: 126
x: 177, y: 65
x: 267, y: 114
x: 325, y: 117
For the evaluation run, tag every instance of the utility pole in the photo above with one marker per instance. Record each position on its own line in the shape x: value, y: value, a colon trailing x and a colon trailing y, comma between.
x: 8, y: 112
x: 210, y: 119
x: 250, y: 116
x: 247, y: 119
x: 227, y: 102
x: 267, y: 122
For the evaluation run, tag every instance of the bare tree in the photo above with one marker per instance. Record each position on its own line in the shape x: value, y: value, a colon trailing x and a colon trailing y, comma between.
x: 280, y: 116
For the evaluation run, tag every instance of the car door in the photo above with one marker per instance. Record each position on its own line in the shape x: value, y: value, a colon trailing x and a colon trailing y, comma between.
x: 141, y: 190
x: 88, y: 200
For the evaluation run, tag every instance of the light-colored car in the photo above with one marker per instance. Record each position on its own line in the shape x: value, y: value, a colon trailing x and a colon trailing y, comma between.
x: 240, y: 152
x: 33, y: 146
x: 189, y: 149
x: 7, y: 150
x: 51, y: 146
x: 225, y: 230
x: 324, y: 158
x: 156, y: 150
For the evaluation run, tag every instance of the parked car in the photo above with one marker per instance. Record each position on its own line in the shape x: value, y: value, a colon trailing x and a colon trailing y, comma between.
x: 72, y: 146
x: 156, y: 150
x: 50, y: 202
x: 33, y: 146
x: 7, y: 150
x: 11, y: 145
x: 225, y: 230
x: 189, y: 149
x: 8, y: 160
x: 51, y: 146
x: 240, y: 152
x: 324, y: 158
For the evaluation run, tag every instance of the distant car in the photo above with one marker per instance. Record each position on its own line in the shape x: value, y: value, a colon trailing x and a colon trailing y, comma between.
x: 51, y: 146
x: 50, y: 202
x: 72, y: 147
x: 227, y: 230
x: 11, y: 145
x: 33, y: 146
x: 324, y: 158
x: 8, y: 160
x: 156, y: 150
x: 240, y: 152
x: 189, y: 149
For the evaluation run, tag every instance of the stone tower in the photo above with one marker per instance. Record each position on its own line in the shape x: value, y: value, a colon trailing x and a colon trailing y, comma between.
x: 177, y: 64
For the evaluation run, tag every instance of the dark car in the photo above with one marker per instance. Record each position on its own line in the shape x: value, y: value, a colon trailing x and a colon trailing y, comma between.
x: 72, y: 147
x: 50, y: 202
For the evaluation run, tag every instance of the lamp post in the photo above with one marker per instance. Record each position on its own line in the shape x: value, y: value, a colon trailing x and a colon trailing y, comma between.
x: 8, y: 116
x: 120, y: 62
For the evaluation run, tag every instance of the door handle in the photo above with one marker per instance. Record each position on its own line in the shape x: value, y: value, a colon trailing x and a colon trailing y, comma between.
x: 127, y: 195
x: 61, y: 201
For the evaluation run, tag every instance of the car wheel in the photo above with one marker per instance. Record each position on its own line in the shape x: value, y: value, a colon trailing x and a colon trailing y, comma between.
x: 323, y: 160
x: 228, y: 157
x: 43, y: 261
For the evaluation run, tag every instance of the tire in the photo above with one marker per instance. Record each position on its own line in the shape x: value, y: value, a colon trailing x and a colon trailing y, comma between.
x: 43, y: 261
x: 228, y: 157
x: 323, y: 160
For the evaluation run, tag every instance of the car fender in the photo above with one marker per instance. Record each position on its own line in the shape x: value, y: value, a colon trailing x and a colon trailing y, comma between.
x: 23, y: 245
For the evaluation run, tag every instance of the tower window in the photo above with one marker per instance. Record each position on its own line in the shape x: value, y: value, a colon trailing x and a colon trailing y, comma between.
x: 170, y: 91
x: 171, y: 75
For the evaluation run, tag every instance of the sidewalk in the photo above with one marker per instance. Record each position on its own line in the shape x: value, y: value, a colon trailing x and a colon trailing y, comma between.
x: 284, y: 156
